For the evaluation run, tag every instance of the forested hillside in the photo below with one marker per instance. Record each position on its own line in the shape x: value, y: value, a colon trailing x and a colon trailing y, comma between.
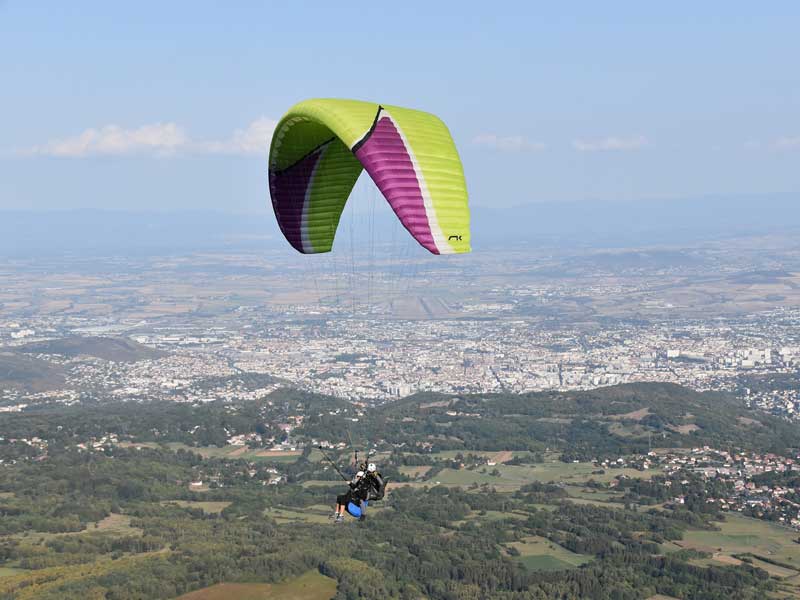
x: 130, y: 501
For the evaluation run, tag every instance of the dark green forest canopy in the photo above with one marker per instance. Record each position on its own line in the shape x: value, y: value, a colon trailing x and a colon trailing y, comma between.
x: 584, y: 425
x: 425, y: 543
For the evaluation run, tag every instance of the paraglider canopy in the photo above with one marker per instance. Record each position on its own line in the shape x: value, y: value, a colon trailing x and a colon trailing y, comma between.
x: 321, y: 146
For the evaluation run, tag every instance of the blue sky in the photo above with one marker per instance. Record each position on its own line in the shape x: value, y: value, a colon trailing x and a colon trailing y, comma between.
x: 168, y: 105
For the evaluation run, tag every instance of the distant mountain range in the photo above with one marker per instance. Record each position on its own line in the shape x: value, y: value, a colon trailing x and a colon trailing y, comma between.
x: 593, y: 224
x: 619, y: 224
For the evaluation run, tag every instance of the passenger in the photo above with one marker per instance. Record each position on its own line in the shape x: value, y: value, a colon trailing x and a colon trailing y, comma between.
x: 357, y: 494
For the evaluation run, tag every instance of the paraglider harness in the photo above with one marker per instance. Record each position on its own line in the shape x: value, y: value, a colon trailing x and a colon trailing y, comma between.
x: 370, y: 487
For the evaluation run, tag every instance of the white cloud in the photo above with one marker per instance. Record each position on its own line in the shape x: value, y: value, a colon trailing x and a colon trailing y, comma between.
x: 787, y: 143
x: 254, y: 140
x: 780, y: 144
x: 158, y: 139
x: 610, y: 144
x: 515, y: 143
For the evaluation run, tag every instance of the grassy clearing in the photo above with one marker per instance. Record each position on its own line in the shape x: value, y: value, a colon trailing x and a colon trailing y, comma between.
x: 540, y: 554
x: 282, y: 516
x: 669, y: 547
x: 316, y: 513
x: 716, y: 560
x: 593, y: 502
x: 311, y: 586
x: 742, y: 535
x: 315, y: 456
x: 592, y: 494
x: 500, y: 456
x: 393, y: 485
x: 204, y: 451
x: 8, y: 571
x: 113, y: 524
x: 118, y: 524
x: 238, y: 452
x: 636, y: 415
x: 465, y: 477
x: 285, y: 456
x: 628, y: 430
x: 512, y: 477
x: 311, y: 514
x: 209, y: 507
x: 774, y: 570
x: 492, y: 515
x: 231, y: 452
x: 497, y: 515
x: 324, y: 483
x: 415, y: 471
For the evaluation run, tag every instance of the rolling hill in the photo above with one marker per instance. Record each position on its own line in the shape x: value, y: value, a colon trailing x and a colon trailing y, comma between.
x: 115, y: 349
x: 28, y: 374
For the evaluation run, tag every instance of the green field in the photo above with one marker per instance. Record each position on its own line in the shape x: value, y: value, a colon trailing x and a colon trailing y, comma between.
x: 113, y: 524
x: 311, y: 586
x: 540, y: 554
x: 512, y: 477
x: 8, y: 571
x: 750, y: 539
x: 316, y: 513
x: 588, y: 493
x: 451, y: 454
x: 593, y: 502
x: 315, y: 456
x: 116, y: 524
x: 234, y: 452
x: 231, y: 452
x: 415, y: 472
x: 582, y: 495
x: 774, y: 570
x: 325, y: 483
x: 208, y: 507
x: 742, y: 535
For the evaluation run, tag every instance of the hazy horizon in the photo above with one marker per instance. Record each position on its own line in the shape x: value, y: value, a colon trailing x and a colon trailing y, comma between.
x: 556, y: 224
